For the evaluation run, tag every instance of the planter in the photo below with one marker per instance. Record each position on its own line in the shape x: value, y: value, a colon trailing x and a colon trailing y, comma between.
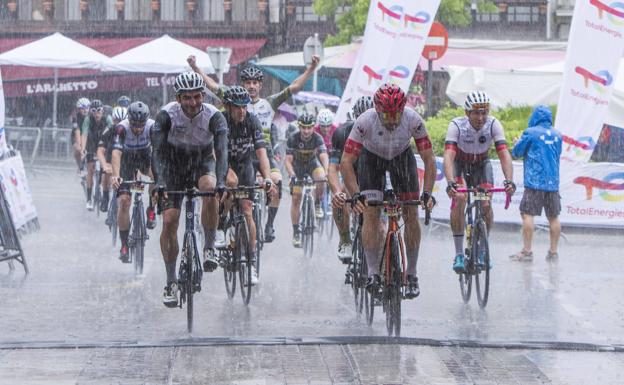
x: 191, y: 5
x: 119, y: 5
x: 12, y: 6
x: 227, y: 5
x: 155, y: 5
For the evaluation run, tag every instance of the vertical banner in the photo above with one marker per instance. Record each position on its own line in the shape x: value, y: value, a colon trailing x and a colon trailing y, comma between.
x: 595, y: 48
x: 396, y: 31
x: 4, y: 149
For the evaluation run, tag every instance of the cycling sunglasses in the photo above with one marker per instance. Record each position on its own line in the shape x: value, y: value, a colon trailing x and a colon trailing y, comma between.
x: 99, y: 109
x: 390, y: 116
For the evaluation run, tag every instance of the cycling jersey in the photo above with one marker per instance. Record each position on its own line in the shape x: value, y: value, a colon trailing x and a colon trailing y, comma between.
x: 184, y: 148
x: 244, y: 138
x: 265, y: 109
x: 93, y: 130
x: 368, y: 132
x: 127, y: 141
x: 76, y: 121
x: 338, y: 141
x: 305, y: 150
x: 326, y: 138
x: 472, y: 145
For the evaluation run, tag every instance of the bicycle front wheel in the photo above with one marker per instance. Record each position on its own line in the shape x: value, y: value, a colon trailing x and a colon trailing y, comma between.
x: 244, y: 259
x: 481, y: 258
x: 308, y: 227
x: 138, y: 233
x: 229, y: 272
x: 187, y: 258
x: 112, y: 218
x: 392, y: 288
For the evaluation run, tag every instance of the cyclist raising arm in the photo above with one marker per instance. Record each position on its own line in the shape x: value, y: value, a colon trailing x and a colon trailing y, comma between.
x: 252, y: 79
x: 186, y: 137
x: 304, y: 150
x: 466, y: 147
x: 381, y: 139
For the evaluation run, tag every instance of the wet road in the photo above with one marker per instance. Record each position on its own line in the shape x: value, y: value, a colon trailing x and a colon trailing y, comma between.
x: 79, y: 295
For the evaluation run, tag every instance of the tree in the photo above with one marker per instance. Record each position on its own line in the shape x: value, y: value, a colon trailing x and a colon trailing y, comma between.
x: 452, y: 13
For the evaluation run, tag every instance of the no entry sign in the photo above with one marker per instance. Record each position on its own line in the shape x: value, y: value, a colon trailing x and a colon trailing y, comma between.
x: 437, y: 42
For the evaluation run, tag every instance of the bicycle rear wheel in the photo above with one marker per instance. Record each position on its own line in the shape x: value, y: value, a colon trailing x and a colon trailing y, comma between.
x: 481, y: 259
x: 243, y: 258
x: 112, y: 219
x: 97, y: 192
x: 392, y: 289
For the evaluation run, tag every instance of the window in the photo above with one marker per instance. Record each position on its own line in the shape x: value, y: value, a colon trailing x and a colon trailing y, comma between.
x: 213, y: 10
x: 306, y: 13
x: 245, y: 10
x: 523, y: 14
x: 486, y: 17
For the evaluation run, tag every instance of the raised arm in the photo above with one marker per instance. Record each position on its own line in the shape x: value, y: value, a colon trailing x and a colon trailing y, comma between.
x: 298, y: 84
x: 210, y: 83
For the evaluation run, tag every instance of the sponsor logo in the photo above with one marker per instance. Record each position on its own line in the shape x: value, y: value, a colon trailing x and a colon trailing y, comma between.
x: 614, y: 11
x: 396, y: 16
x: 395, y: 75
x: 13, y: 178
x: 600, y: 80
x: 578, y: 147
x: 604, y: 186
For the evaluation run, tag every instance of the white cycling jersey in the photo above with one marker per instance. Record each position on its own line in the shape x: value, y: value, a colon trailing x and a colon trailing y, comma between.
x: 263, y: 111
x: 125, y: 139
x: 472, y: 145
x: 190, y: 132
x: 368, y: 132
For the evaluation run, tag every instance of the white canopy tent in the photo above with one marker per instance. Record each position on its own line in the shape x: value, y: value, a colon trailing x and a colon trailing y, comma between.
x: 164, y: 55
x: 528, y: 86
x: 55, y: 51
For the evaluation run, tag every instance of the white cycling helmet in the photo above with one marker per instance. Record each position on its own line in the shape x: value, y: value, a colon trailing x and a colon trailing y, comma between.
x: 477, y: 100
x: 188, y: 81
x: 325, y: 117
x: 119, y: 113
x: 83, y: 103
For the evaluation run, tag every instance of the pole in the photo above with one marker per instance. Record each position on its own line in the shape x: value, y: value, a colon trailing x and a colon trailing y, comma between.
x: 220, y: 69
x: 55, y: 98
x: 164, y: 89
x: 429, y: 87
x: 315, y: 76
x: 548, y: 21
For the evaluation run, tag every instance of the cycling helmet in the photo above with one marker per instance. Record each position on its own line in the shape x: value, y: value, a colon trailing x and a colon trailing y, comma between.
x: 236, y: 95
x: 362, y: 104
x: 138, y: 112
x: 83, y: 103
x: 477, y: 100
x: 390, y: 98
x: 188, y: 81
x: 96, y: 104
x: 306, y: 119
x: 325, y: 117
x: 123, y: 101
x: 119, y: 113
x: 252, y: 73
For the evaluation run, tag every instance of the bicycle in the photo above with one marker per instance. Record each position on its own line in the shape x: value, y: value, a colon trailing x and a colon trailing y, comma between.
x: 259, y: 214
x: 307, y: 220
x: 111, y: 217
x: 325, y: 224
x: 138, y: 229
x: 477, y: 252
x: 190, y: 271
x: 236, y: 257
x: 357, y: 271
x: 393, y: 262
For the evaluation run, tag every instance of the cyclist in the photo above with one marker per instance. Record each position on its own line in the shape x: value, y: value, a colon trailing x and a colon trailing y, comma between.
x: 123, y: 101
x: 104, y: 154
x: 82, y: 110
x: 252, y: 79
x: 92, y: 128
x: 466, y: 162
x: 189, y: 140
x: 245, y: 138
x: 131, y: 152
x: 381, y: 138
x: 304, y: 150
x: 325, y: 126
x: 341, y: 212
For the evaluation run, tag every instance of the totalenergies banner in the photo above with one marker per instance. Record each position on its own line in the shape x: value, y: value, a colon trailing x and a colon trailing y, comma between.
x: 595, y: 48
x: 595, y: 197
x: 4, y: 149
x: 394, y: 38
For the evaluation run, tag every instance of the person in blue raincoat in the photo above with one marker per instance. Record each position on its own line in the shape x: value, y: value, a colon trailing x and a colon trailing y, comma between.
x: 540, y: 147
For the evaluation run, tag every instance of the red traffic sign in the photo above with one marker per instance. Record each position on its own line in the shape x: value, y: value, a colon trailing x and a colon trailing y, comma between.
x: 437, y: 42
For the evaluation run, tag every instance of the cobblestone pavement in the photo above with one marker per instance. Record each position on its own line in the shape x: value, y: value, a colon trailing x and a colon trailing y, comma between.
x: 79, y: 295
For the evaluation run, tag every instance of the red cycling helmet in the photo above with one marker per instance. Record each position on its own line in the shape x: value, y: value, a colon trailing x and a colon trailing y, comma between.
x: 389, y: 98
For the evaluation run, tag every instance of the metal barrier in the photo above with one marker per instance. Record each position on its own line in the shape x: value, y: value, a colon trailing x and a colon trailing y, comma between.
x: 44, y: 141
x: 17, y: 136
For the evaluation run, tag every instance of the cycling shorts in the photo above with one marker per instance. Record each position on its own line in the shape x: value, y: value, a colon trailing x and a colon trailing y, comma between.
x: 474, y: 174
x: 403, y: 175
x: 179, y: 177
x: 129, y: 164
x: 244, y: 172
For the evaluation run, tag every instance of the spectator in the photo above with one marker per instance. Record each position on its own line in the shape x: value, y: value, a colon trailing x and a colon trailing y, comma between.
x: 540, y: 146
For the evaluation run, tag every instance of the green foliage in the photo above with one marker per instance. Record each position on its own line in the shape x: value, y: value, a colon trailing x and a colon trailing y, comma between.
x: 452, y: 13
x: 513, y: 119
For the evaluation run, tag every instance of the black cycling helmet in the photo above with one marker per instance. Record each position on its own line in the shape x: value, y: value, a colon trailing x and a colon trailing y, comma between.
x: 252, y: 73
x: 123, y: 101
x: 361, y: 105
x: 306, y: 119
x: 138, y: 112
x: 236, y: 95
x: 97, y: 104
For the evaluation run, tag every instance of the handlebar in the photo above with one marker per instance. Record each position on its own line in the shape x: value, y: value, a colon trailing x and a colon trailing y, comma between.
x: 475, y: 190
x: 385, y: 203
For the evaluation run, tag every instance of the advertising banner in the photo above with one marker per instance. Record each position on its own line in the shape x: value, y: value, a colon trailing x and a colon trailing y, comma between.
x: 4, y: 149
x: 396, y: 31
x: 593, y: 197
x: 18, y: 195
x: 595, y: 47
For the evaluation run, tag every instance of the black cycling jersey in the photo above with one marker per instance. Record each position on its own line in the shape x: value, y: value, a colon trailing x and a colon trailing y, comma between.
x: 185, y: 148
x: 106, y: 141
x: 339, y: 138
x: 94, y: 130
x: 304, y: 151
x: 244, y: 138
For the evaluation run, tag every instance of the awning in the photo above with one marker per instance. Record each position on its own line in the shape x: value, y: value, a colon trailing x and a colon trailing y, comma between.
x: 242, y: 50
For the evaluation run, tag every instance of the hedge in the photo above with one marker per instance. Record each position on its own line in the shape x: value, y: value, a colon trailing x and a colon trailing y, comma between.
x: 513, y: 119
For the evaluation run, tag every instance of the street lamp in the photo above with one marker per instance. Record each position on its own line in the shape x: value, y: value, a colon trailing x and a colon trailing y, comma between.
x: 220, y: 57
x: 312, y: 46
